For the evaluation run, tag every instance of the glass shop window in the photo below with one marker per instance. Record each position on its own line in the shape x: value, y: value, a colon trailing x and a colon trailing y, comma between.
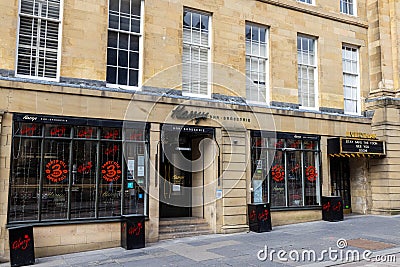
x: 70, y: 172
x: 285, y: 171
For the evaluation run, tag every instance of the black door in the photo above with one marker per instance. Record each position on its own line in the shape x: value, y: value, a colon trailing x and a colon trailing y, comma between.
x: 176, y: 176
x: 340, y: 180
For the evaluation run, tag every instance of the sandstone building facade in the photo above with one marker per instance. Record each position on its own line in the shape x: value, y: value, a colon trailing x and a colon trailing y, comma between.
x: 185, y: 108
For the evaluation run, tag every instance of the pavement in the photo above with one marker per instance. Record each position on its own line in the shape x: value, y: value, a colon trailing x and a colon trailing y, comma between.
x: 359, y: 240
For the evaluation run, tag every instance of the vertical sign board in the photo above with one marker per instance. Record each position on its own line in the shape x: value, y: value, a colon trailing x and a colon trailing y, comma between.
x: 133, y: 232
x: 22, y: 248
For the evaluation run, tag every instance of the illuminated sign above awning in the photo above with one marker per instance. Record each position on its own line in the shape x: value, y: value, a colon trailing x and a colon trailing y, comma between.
x: 355, y: 147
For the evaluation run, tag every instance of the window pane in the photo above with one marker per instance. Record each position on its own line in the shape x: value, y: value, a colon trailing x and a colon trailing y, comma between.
x: 134, y: 194
x: 83, y: 190
x: 311, y: 177
x: 295, y: 183
x: 56, y: 179
x: 24, y: 182
x: 277, y: 178
x: 110, y: 179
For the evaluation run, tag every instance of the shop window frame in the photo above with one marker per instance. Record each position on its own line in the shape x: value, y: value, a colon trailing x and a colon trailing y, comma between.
x: 266, y: 149
x: 71, y: 139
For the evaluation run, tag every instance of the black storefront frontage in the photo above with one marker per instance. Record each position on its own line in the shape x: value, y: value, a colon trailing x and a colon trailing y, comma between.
x: 182, y: 155
x: 66, y: 169
x: 343, y: 153
x: 286, y: 170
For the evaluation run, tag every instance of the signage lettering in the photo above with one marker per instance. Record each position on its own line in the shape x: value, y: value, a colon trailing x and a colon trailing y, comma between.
x: 85, y: 133
x: 361, y: 135
x: 85, y: 168
x: 181, y: 113
x: 362, y: 146
x: 30, y: 118
x: 111, y: 171
x: 56, y: 170
x: 29, y: 131
x: 21, y: 243
x: 111, y: 150
x: 58, y: 131
x: 113, y: 134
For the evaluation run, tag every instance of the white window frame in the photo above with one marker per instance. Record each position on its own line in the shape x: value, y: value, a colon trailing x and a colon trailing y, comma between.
x: 312, y: 2
x: 356, y: 74
x: 347, y: 3
x: 250, y: 55
x: 141, y: 49
x: 59, y: 21
x: 316, y: 70
x: 209, y: 68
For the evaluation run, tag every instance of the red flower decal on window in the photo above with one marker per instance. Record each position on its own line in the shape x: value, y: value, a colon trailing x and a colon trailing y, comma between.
x: 311, y: 174
x: 278, y: 173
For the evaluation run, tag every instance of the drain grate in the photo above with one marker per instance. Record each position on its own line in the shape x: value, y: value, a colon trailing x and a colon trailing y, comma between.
x: 368, y: 244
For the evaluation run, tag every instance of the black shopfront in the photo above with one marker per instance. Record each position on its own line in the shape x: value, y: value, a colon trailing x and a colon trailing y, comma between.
x: 75, y: 169
x: 286, y: 169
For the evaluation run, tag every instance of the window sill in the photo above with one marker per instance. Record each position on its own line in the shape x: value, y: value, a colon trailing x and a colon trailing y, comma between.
x: 66, y: 222
x: 296, y: 208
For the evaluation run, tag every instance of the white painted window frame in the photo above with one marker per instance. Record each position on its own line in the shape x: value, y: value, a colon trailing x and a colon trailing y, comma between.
x: 347, y: 3
x: 357, y: 75
x: 266, y: 92
x: 312, y: 2
x: 141, y: 51
x: 59, y: 21
x: 316, y: 70
x: 190, y: 44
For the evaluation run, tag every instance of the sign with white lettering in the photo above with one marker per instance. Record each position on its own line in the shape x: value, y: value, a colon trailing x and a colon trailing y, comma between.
x: 353, y: 145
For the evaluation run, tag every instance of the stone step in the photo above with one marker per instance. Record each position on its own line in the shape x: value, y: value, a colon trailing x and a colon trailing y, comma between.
x: 165, y: 236
x: 181, y: 220
x: 183, y: 227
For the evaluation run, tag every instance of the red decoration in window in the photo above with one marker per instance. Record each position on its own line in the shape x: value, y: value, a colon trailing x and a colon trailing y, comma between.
x: 278, y: 173
x: 29, y: 131
x: 136, y: 136
x: 111, y: 150
x: 111, y: 171
x: 58, y: 131
x: 112, y: 134
x: 311, y: 174
x: 85, y: 168
x: 56, y: 170
x: 85, y: 133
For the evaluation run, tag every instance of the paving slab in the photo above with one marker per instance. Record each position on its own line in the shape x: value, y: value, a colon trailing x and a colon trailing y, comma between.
x: 377, y: 235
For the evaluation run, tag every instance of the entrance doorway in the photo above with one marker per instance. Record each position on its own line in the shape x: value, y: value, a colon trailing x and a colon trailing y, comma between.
x: 340, y: 180
x: 179, y: 150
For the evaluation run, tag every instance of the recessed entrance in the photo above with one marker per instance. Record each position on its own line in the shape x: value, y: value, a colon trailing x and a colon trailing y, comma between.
x: 180, y: 169
x: 340, y: 180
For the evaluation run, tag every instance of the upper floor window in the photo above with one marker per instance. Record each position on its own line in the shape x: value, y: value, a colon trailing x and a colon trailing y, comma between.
x: 196, y: 54
x: 351, y: 89
x: 306, y: 1
x: 348, y: 7
x: 124, y: 42
x: 256, y: 63
x: 307, y: 71
x: 39, y: 38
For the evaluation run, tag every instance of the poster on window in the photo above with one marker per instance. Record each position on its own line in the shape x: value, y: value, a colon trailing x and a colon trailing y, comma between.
x: 257, y: 187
